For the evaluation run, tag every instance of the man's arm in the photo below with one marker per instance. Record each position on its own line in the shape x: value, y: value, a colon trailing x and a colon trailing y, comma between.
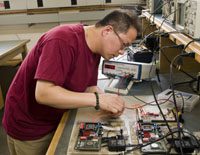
x: 93, y: 89
x: 47, y: 93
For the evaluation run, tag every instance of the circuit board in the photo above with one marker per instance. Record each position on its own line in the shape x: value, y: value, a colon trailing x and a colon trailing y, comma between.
x: 147, y: 133
x: 89, y: 137
x: 152, y: 115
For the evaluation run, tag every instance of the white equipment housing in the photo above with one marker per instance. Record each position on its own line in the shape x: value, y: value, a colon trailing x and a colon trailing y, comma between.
x: 169, y: 10
x: 189, y: 100
x: 154, y: 6
x: 127, y: 69
x: 180, y: 14
x: 187, y: 17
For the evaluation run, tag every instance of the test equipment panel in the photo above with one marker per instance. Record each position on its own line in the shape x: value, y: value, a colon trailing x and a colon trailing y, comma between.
x: 192, y: 20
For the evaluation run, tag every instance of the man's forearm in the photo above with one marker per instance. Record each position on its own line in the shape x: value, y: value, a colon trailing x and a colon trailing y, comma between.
x: 58, y: 97
x: 47, y: 93
x: 93, y: 89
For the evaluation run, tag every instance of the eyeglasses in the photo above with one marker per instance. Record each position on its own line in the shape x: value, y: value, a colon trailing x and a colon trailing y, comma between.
x: 123, y: 45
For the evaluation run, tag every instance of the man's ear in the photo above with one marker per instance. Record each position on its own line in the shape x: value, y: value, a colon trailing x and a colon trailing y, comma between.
x: 107, y: 30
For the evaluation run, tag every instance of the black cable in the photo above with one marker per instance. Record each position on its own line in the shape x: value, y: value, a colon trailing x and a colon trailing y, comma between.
x: 156, y: 101
x: 156, y: 32
x: 193, y: 40
x: 198, y: 78
x: 166, y: 19
x: 181, y: 70
x: 150, y: 103
x: 173, y: 92
x: 170, y: 131
x: 198, y: 82
x: 185, y: 82
x: 161, y: 112
x: 158, y: 104
x: 188, y: 44
x: 183, y: 50
x: 139, y: 146
x: 139, y: 99
x: 192, y: 86
x: 166, y: 34
x: 193, y: 137
x: 152, y: 33
x: 182, y: 109
x: 174, y: 99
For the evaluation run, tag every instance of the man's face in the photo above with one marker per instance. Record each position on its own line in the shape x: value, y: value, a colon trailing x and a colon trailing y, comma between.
x: 114, y: 43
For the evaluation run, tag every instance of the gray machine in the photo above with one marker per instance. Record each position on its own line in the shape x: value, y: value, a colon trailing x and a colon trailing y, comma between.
x: 154, y: 6
x: 169, y: 11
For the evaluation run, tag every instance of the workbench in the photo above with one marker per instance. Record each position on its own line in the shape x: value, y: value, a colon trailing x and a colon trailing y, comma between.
x: 65, y: 136
x: 10, y: 49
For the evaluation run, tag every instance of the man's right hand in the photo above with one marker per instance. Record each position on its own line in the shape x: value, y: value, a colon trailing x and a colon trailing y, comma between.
x: 111, y: 102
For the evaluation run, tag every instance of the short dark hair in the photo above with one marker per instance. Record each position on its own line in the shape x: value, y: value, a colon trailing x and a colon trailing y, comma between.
x: 120, y: 20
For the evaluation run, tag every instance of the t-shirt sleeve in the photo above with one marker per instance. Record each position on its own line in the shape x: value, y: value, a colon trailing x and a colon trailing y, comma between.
x: 54, y: 62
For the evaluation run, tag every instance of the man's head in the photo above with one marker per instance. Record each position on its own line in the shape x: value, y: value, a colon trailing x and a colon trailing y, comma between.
x: 118, y: 30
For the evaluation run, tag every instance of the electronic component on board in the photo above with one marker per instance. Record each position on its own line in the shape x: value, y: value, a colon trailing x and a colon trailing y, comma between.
x: 147, y: 133
x: 89, y: 137
x: 152, y: 115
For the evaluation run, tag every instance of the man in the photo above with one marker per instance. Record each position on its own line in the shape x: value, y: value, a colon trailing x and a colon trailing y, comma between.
x: 60, y: 73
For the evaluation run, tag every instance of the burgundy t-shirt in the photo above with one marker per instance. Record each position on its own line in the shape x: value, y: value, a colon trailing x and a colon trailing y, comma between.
x: 61, y: 56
